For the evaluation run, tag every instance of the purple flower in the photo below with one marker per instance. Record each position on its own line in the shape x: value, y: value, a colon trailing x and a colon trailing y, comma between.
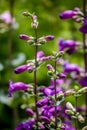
x: 45, y: 119
x: 42, y: 102
x: 20, y: 69
x: 25, y: 125
x: 6, y: 17
x: 83, y: 29
x: 16, y: 87
x: 49, y: 38
x: 49, y: 67
x: 24, y: 37
x: 40, y: 54
x: 83, y: 81
x: 68, y: 45
x: 45, y: 58
x: 68, y: 126
x: 69, y: 68
x: 69, y: 13
x: 29, y: 112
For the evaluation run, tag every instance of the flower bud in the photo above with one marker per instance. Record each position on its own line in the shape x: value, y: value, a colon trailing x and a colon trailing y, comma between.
x: 29, y: 112
x: 27, y: 14
x: 70, y: 107
x: 49, y: 67
x: 20, y: 69
x: 49, y: 38
x: 24, y: 37
x: 69, y: 112
x: 69, y: 92
x: 45, y: 119
x: 81, y: 119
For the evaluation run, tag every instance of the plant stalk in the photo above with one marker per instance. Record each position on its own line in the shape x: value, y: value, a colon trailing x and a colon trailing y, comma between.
x: 85, y: 53
x: 35, y: 79
x: 55, y: 96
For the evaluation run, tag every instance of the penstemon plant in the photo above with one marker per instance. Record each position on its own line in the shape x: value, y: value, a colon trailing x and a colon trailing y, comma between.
x: 51, y: 110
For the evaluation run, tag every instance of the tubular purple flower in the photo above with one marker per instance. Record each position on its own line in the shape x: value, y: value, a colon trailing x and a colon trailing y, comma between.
x: 20, y: 69
x: 42, y: 102
x: 68, y: 45
x: 40, y: 54
x: 26, y: 125
x: 69, y: 68
x: 83, y: 29
x: 83, y: 81
x: 24, y: 37
x: 49, y: 38
x: 69, y: 13
x: 16, y: 87
x: 29, y: 112
x: 45, y: 119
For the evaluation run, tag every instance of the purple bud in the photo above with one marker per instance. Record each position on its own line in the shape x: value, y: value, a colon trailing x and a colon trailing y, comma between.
x: 16, y: 87
x: 40, y: 54
x: 83, y: 29
x: 34, y: 17
x: 20, y: 69
x: 49, y: 67
x: 42, y: 102
x: 49, y: 38
x: 61, y: 76
x: 41, y: 126
x: 29, y: 112
x: 45, y: 119
x: 67, y: 14
x: 24, y: 37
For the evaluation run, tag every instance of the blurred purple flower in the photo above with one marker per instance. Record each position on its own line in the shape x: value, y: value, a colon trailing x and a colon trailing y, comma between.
x: 6, y: 17
x: 83, y: 29
x: 69, y: 13
x: 69, y: 68
x: 68, y: 126
x: 42, y: 102
x: 45, y: 119
x: 49, y: 67
x: 49, y: 38
x: 20, y: 69
x: 40, y: 54
x: 68, y: 45
x: 83, y: 81
x: 24, y: 37
x: 25, y: 125
x: 29, y: 112
x: 16, y: 87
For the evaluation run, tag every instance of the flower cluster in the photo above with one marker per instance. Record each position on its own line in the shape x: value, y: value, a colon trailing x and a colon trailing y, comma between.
x: 50, y: 111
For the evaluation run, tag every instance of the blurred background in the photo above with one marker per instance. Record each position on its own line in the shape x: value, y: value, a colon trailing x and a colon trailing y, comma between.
x: 15, y: 52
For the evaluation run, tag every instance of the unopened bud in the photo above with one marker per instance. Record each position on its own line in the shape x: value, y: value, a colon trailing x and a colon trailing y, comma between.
x: 81, y: 119
x: 70, y: 107
x: 27, y: 14
x: 69, y: 112
x: 50, y: 73
x: 69, y: 92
